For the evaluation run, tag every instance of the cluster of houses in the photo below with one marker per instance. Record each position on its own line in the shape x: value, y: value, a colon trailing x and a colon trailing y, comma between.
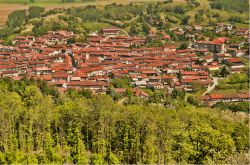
x: 103, y: 57
x: 214, y: 98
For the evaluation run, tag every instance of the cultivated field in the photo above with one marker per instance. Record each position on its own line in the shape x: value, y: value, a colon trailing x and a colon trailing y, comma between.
x: 5, y: 9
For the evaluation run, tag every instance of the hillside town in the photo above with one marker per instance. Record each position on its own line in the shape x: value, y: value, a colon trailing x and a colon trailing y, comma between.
x: 107, y: 55
x: 106, y: 82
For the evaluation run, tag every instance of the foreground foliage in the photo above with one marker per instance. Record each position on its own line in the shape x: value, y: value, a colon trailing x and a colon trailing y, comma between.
x: 37, y: 125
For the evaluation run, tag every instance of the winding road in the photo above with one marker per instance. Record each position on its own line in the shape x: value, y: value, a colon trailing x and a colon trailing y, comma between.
x: 210, y: 88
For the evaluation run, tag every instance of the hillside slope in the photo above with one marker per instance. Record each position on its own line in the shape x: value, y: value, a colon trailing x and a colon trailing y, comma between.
x: 8, y: 6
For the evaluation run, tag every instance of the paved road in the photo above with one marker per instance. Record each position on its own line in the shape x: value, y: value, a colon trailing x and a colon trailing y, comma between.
x: 210, y: 88
x: 124, y: 31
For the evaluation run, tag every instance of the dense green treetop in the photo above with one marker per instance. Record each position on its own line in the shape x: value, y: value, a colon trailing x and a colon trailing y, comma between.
x: 38, y: 125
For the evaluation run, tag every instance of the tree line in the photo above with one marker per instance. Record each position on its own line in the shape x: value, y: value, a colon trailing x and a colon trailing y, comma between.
x: 137, y: 19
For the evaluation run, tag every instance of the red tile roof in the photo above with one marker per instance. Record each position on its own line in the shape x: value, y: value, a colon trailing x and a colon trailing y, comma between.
x: 234, y: 60
x: 87, y: 83
x: 60, y: 75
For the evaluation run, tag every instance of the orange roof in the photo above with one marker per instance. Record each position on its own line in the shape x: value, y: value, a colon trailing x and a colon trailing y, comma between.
x: 120, y: 90
x: 60, y: 75
x: 45, y: 77
x: 234, y: 60
x: 168, y: 76
x: 79, y: 73
x: 87, y: 83
x: 244, y: 95
x: 221, y: 40
x: 216, y: 96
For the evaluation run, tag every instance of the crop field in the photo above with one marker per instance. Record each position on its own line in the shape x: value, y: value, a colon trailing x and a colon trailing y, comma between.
x: 5, y: 9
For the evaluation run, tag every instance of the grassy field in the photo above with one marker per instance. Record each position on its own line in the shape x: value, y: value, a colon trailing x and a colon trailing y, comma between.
x: 241, y: 25
x: 95, y: 26
x: 234, y: 83
x: 229, y: 91
x: 7, y: 6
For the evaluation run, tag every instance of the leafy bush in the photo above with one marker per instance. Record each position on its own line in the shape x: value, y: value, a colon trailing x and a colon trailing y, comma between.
x: 235, y: 107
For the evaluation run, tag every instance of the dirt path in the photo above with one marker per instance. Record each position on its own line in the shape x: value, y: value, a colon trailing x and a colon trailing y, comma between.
x: 210, y: 88
x: 122, y: 100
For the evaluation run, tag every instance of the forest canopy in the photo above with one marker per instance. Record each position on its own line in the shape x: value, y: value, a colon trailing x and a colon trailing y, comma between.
x: 39, y: 125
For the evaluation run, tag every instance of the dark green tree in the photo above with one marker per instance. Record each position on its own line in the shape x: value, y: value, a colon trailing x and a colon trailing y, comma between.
x: 35, y: 11
x: 224, y: 72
